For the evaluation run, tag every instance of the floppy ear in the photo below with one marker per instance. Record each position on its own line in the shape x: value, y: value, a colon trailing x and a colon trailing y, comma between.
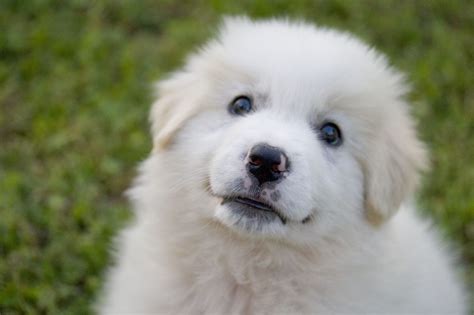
x: 178, y: 100
x: 393, y: 166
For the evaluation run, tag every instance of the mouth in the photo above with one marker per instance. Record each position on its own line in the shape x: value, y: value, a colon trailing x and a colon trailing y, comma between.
x: 253, y: 208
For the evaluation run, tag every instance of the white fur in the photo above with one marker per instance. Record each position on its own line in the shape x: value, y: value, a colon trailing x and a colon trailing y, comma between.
x: 363, y: 250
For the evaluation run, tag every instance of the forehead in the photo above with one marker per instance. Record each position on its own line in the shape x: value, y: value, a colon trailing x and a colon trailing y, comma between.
x: 297, y: 64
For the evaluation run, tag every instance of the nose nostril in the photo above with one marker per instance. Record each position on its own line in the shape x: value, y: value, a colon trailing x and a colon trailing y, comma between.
x: 255, y: 160
x: 276, y: 167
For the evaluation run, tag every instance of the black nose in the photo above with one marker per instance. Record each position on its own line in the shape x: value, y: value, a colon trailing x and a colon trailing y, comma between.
x: 266, y: 163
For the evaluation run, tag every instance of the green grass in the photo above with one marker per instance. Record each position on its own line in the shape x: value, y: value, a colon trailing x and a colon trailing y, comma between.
x: 74, y: 94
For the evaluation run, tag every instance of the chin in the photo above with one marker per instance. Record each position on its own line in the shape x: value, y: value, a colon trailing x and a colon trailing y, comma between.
x: 283, y: 167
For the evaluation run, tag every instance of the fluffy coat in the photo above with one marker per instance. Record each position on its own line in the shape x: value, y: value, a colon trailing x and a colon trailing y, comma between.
x: 364, y: 250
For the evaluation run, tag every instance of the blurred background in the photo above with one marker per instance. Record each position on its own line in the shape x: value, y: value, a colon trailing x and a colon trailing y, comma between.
x: 75, y: 89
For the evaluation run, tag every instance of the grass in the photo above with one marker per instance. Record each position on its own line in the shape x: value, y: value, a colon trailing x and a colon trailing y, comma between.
x: 74, y: 94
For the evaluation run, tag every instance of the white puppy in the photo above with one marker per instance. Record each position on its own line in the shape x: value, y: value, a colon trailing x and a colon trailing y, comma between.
x: 284, y: 159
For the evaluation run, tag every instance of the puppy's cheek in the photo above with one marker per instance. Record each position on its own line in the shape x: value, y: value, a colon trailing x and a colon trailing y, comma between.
x: 227, y: 172
x: 225, y: 181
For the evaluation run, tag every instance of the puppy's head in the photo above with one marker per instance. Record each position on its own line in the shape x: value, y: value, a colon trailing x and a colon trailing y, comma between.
x: 287, y: 131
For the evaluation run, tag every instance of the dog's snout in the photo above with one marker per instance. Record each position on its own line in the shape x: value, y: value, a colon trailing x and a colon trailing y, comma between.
x: 266, y: 163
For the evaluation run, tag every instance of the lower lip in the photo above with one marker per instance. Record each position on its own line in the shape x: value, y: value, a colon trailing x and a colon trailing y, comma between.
x: 253, y: 203
x: 252, y: 208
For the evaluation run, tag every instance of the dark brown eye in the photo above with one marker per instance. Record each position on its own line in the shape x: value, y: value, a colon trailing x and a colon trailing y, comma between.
x: 240, y: 106
x: 331, y: 134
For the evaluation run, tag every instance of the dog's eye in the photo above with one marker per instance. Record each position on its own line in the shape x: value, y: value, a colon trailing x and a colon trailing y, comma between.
x: 331, y: 134
x: 240, y: 106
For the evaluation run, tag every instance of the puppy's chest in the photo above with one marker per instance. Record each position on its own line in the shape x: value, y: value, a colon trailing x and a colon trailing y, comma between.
x: 256, y: 291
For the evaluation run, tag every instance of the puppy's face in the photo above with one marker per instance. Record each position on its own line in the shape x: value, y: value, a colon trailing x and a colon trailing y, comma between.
x: 286, y: 131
